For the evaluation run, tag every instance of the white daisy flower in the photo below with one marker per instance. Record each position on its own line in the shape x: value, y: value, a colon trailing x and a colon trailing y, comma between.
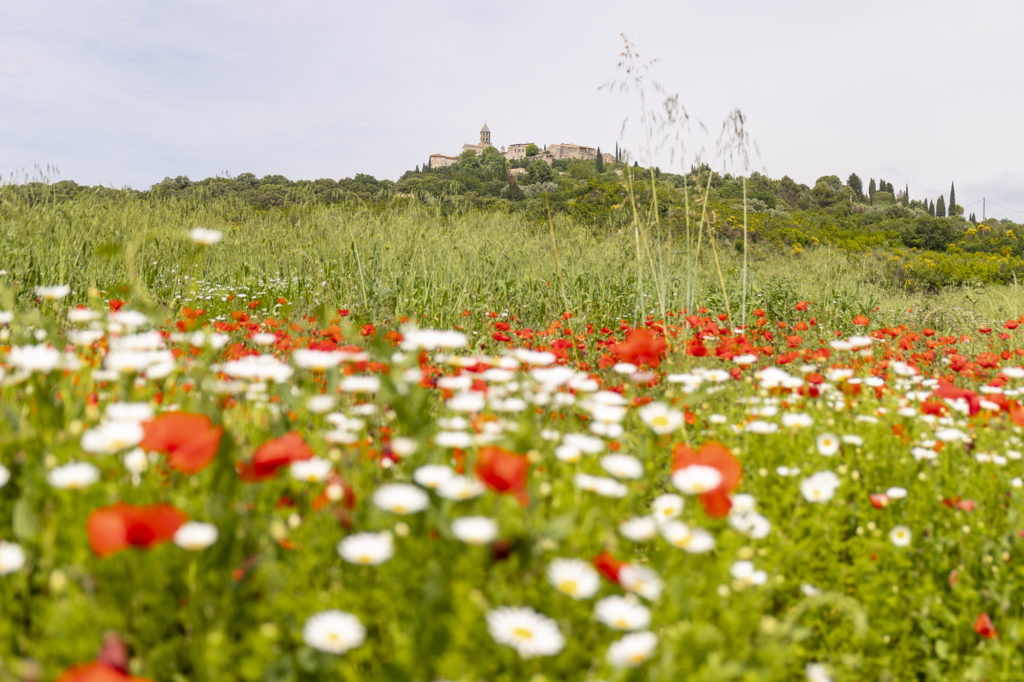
x: 622, y: 613
x: 667, y: 506
x: 681, y: 536
x: 367, y: 549
x: 660, y: 417
x: 640, y: 580
x: 460, y: 488
x: 334, y: 632
x: 360, y: 384
x: 431, y: 476
x: 401, y: 498
x: 574, y: 578
x: 73, y: 476
x: 12, y: 557
x: 819, y: 487
x: 601, y: 485
x: 827, y: 444
x: 475, y: 530
x: 745, y: 572
x: 528, y: 632
x: 204, y: 236
x: 640, y: 529
x: 40, y: 358
x: 896, y: 493
x: 622, y: 466
x: 5, y: 475
x: 195, y: 536
x: 313, y: 470
x: 53, y: 293
x: 696, y: 479
x: 900, y: 536
x: 632, y: 650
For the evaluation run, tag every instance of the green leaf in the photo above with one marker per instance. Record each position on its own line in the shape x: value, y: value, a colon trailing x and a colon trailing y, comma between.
x: 25, y: 522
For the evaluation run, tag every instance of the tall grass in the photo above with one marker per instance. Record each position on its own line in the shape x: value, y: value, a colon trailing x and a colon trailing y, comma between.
x: 409, y: 261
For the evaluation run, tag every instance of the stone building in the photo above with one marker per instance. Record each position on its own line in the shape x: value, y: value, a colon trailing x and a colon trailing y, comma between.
x: 440, y: 160
x: 485, y: 141
x: 517, y: 151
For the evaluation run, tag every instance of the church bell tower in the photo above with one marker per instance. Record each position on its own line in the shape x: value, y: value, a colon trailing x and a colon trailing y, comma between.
x: 485, y: 136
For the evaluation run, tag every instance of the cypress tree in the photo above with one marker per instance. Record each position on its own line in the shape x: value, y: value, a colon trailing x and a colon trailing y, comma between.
x: 871, y: 190
x: 940, y: 207
x: 931, y: 208
x: 599, y: 162
x: 854, y: 183
x: 906, y: 195
x: 952, y: 198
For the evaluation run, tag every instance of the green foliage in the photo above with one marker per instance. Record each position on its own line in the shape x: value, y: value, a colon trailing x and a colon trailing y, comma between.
x: 539, y: 171
x: 855, y: 184
x: 532, y: 149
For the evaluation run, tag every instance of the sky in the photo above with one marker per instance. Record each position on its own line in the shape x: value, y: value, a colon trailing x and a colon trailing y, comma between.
x: 128, y: 92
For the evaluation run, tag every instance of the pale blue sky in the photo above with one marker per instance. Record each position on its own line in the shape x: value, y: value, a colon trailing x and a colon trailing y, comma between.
x: 128, y: 92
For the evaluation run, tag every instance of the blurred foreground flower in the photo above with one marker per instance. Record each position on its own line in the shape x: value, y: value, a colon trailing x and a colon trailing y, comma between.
x: 190, y: 441
x: 528, y: 632
x: 334, y: 632
x: 205, y: 236
x: 121, y: 525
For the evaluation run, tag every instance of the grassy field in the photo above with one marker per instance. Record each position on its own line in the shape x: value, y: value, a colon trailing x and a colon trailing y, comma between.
x: 261, y: 459
x: 409, y: 260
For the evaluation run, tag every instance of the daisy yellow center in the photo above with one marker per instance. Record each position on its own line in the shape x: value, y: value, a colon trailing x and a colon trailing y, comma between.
x: 699, y: 487
x: 522, y: 633
x: 660, y: 420
x: 637, y: 658
x: 622, y: 623
x: 669, y: 511
x: 567, y: 586
x: 364, y: 559
x: 399, y: 508
x: 334, y: 637
x: 312, y: 478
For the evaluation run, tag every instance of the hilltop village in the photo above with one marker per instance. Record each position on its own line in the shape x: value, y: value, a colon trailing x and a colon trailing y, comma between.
x: 522, y: 150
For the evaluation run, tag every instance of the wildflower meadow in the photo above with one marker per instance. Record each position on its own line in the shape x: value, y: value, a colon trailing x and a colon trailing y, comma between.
x: 345, y: 444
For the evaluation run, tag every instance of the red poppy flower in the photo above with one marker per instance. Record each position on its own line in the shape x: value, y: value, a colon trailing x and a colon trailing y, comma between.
x: 273, y: 455
x: 504, y: 472
x: 716, y: 502
x: 190, y: 441
x: 879, y: 500
x: 861, y: 321
x: 121, y: 525
x: 984, y: 627
x: 608, y: 566
x: 97, y: 672
x: 641, y: 347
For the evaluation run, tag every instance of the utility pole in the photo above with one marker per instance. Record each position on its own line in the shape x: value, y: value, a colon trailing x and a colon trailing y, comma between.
x: 983, y: 209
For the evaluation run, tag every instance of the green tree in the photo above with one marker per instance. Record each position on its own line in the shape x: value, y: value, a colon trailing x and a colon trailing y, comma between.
x: 940, y: 207
x: 871, y: 190
x: 931, y: 208
x: 513, y: 192
x: 493, y: 166
x: 532, y: 149
x: 827, y: 190
x: 539, y: 171
x: 854, y: 183
x: 599, y: 162
x: 952, y: 198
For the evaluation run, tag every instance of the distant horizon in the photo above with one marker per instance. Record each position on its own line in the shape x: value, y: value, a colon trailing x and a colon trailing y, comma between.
x: 125, y: 95
x: 968, y: 208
